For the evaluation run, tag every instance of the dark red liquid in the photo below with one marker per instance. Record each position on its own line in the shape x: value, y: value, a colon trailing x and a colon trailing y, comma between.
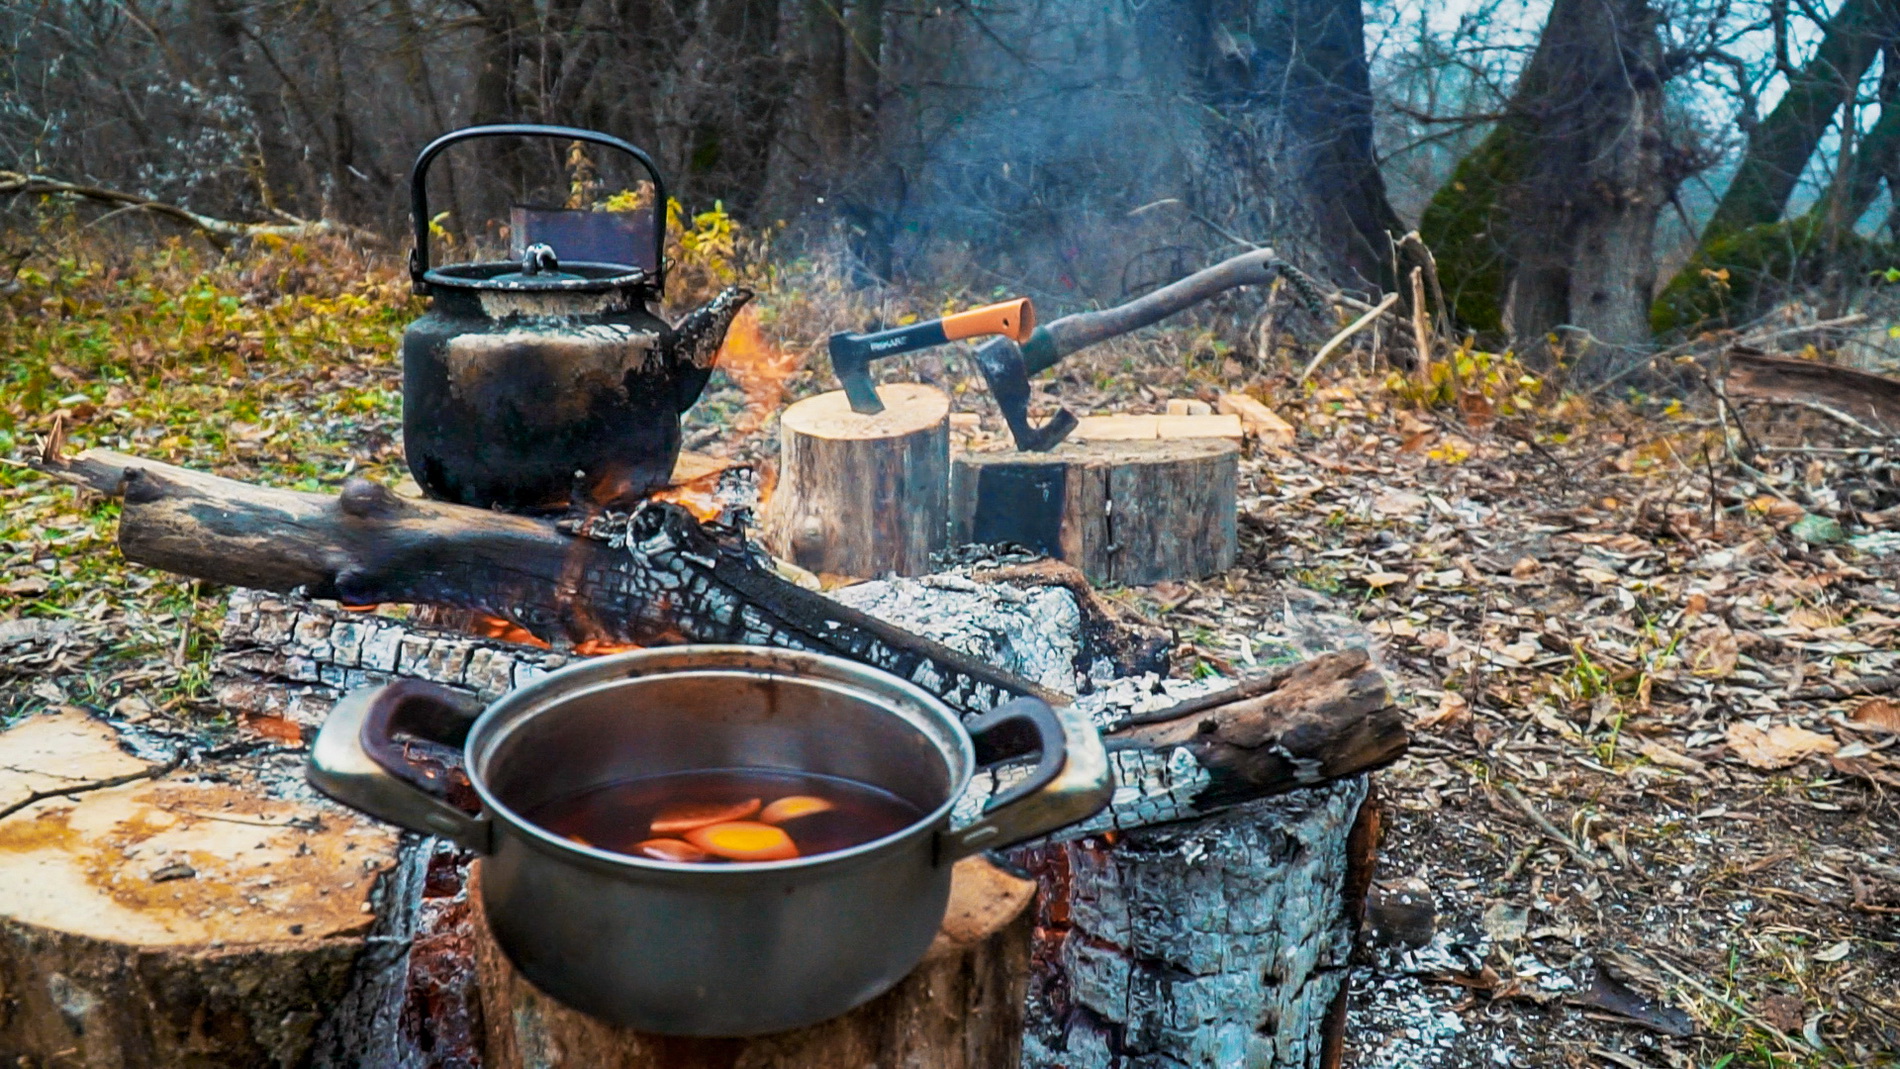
x: 620, y: 816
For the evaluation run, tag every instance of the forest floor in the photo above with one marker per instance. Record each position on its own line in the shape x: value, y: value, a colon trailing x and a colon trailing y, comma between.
x: 1649, y: 815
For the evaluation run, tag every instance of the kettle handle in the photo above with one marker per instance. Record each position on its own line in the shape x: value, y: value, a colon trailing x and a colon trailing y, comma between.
x: 1072, y: 779
x: 419, y: 191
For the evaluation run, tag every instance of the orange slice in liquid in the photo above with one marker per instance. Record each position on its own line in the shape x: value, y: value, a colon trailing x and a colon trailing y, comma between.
x: 793, y: 806
x: 744, y: 840
x: 669, y: 850
x: 679, y: 819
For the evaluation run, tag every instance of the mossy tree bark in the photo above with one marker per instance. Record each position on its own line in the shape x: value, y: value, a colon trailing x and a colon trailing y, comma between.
x: 1550, y: 221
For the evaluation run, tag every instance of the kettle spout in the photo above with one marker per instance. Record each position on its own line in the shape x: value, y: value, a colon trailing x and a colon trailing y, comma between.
x: 697, y: 339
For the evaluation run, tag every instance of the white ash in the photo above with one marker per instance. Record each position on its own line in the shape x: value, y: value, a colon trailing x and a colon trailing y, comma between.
x: 1035, y: 632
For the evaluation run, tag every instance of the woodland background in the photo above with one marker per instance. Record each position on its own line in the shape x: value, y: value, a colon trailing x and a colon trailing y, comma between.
x: 1591, y: 175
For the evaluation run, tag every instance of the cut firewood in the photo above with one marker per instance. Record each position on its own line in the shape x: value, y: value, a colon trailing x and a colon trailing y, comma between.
x: 1136, y: 428
x: 862, y: 495
x: 152, y: 917
x: 1124, y: 512
x: 962, y: 1008
x: 1260, y: 422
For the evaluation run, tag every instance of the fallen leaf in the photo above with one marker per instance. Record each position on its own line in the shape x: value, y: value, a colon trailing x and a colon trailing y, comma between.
x: 1778, y: 747
x: 32, y: 584
x: 1452, y: 710
x: 1525, y: 568
x: 1713, y: 652
x: 1399, y: 503
x: 1878, y: 713
x: 1667, y: 757
x: 1381, y: 580
x: 1834, y: 953
x: 1785, y: 1012
x: 1598, y: 575
x: 1613, y: 994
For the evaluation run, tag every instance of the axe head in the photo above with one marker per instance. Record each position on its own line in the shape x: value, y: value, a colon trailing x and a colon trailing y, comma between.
x: 1008, y: 377
x: 851, y: 358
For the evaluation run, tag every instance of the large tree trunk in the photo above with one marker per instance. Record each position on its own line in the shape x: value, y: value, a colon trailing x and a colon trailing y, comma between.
x: 1286, y: 84
x: 1780, y: 147
x: 1550, y: 222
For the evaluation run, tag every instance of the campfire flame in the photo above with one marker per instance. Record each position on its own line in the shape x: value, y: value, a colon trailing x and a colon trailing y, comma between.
x: 758, y: 367
x: 698, y: 496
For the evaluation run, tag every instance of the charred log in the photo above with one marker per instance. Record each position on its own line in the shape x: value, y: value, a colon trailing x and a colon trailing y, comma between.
x: 657, y: 576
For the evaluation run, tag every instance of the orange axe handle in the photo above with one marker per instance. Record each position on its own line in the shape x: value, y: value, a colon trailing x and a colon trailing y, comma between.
x: 1014, y: 319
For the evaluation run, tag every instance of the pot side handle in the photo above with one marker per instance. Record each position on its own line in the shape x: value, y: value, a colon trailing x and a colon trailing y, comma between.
x: 1072, y: 780
x: 358, y: 761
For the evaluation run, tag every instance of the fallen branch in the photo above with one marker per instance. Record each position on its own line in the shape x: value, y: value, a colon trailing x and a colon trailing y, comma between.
x: 219, y: 232
x: 1343, y: 336
x: 1551, y: 831
x: 1856, y: 398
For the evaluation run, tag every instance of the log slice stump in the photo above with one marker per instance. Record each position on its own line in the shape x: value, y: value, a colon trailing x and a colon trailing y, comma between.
x: 153, y: 917
x: 1133, y: 513
x: 863, y: 495
x: 961, y: 1008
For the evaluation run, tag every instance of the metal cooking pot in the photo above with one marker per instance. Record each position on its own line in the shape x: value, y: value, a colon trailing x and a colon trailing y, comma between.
x: 535, y: 382
x: 709, y: 950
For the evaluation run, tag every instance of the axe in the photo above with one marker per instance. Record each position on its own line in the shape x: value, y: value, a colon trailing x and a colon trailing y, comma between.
x: 1008, y: 366
x: 851, y: 354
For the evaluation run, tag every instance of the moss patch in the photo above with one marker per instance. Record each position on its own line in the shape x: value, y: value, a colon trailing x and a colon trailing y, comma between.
x: 1734, y: 277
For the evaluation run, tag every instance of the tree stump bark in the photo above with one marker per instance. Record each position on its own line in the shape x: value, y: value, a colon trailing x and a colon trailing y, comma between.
x: 150, y: 917
x: 1217, y: 942
x: 863, y: 495
x: 962, y: 1008
x: 1134, y: 512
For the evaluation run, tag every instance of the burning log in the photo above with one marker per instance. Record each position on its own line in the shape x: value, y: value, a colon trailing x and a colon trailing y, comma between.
x: 962, y: 1008
x: 658, y: 576
x: 863, y: 495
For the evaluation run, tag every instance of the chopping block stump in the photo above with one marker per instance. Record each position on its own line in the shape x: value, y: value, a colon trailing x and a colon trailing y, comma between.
x: 961, y: 1008
x: 1128, y: 512
x: 862, y: 495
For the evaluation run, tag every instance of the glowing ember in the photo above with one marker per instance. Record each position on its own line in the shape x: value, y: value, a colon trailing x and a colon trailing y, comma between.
x: 505, y: 630
x: 600, y: 647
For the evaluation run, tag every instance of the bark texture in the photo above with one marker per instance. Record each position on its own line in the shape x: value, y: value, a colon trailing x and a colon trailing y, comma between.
x: 1222, y: 942
x: 863, y: 495
x: 961, y: 1008
x: 1551, y: 220
x: 1132, y: 513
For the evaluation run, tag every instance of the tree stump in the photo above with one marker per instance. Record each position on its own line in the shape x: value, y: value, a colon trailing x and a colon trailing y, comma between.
x: 1134, y: 512
x: 863, y: 495
x: 150, y: 917
x: 961, y: 1008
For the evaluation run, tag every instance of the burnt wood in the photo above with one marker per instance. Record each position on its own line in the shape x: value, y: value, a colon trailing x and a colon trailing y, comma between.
x: 657, y: 576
